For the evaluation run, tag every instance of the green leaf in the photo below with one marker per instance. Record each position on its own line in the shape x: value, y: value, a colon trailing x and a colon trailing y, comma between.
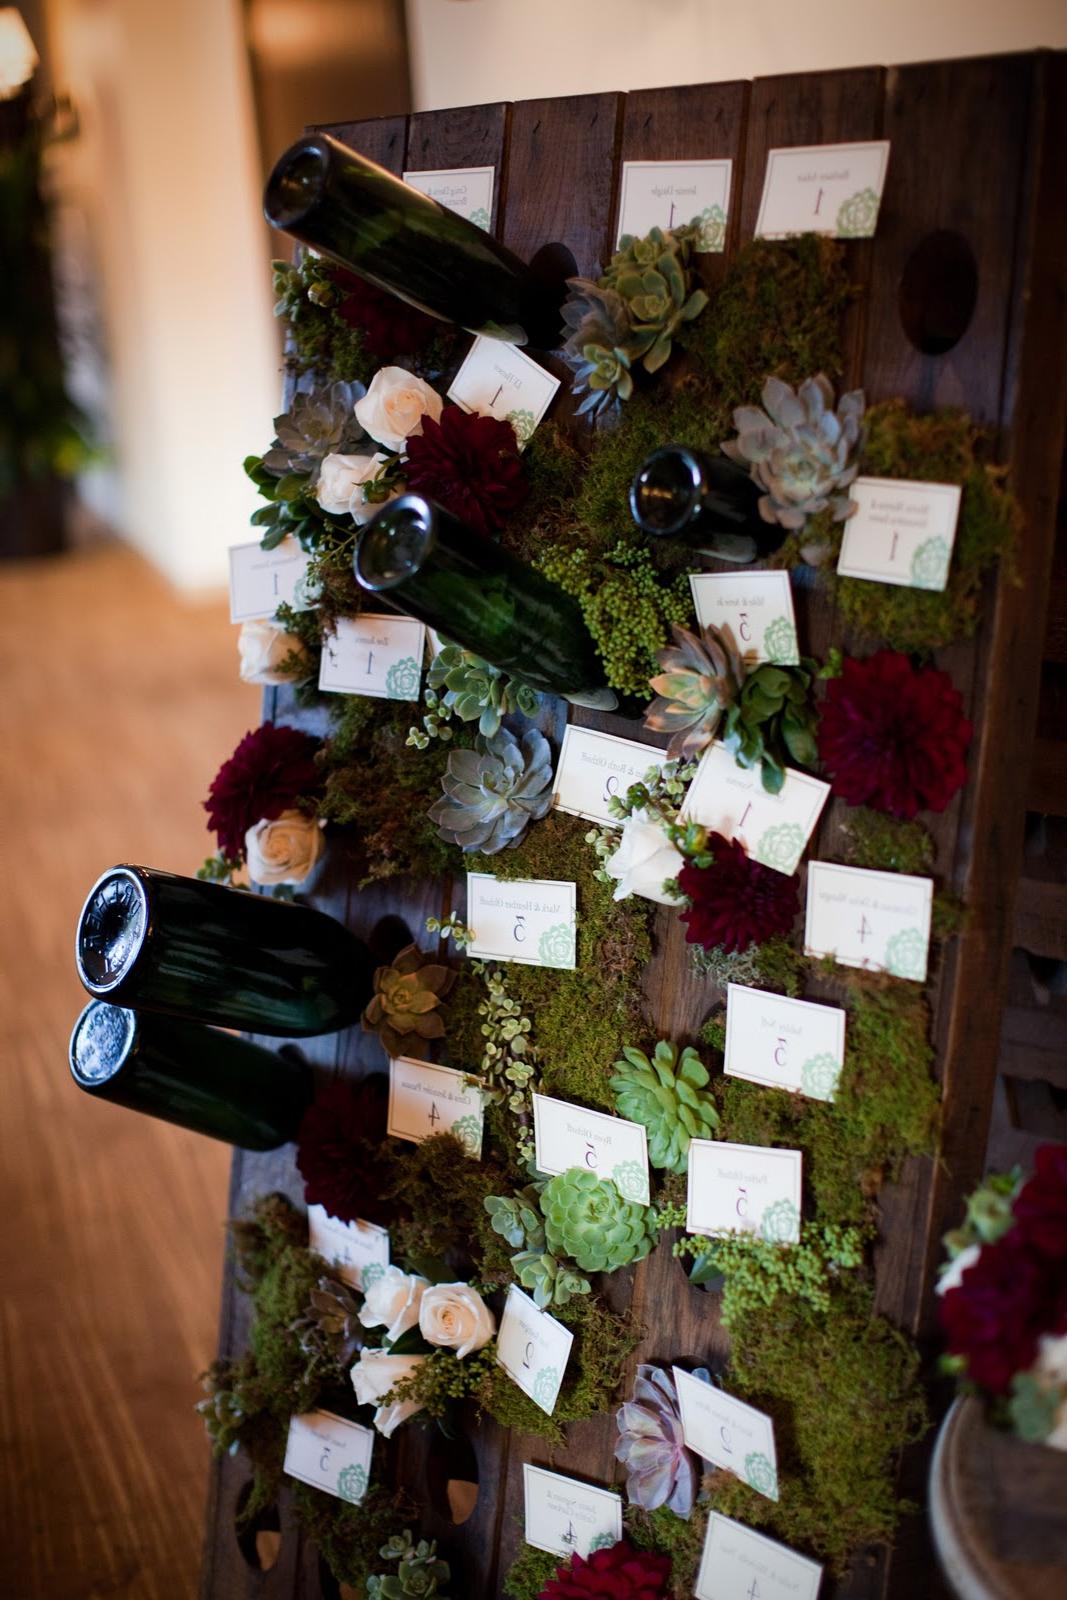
x: 772, y: 775
x: 273, y: 537
x: 658, y: 353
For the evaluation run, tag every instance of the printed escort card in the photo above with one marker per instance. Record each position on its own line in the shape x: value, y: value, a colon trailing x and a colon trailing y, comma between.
x: 783, y: 1043
x: 757, y: 607
x: 497, y: 380
x: 374, y: 655
x: 595, y: 767
x: 533, y: 920
x: 533, y: 1349
x: 357, y: 1251
x: 869, y: 919
x: 330, y: 1453
x: 901, y: 533
x: 466, y: 190
x: 425, y: 1099
x: 568, y: 1136
x: 666, y: 194
x: 823, y: 188
x: 740, y: 1564
x: 565, y: 1516
x: 743, y: 1188
x: 262, y: 580
x: 728, y: 1433
x: 774, y: 828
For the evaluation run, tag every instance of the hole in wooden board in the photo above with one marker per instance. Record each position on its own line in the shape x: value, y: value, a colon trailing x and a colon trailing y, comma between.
x: 452, y: 1476
x: 332, y: 1589
x: 552, y: 265
x: 388, y: 937
x: 938, y: 291
x: 259, y: 1539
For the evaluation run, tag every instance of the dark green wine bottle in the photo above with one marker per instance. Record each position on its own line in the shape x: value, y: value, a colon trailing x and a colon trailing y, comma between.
x: 211, y: 1082
x: 432, y: 566
x: 708, y: 501
x: 206, y: 953
x: 349, y: 208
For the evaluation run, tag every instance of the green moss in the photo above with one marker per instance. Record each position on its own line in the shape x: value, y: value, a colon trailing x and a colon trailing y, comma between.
x: 350, y: 1537
x: 529, y: 1572
x: 871, y: 839
x: 680, y: 1538
x: 421, y: 1174
x: 773, y: 965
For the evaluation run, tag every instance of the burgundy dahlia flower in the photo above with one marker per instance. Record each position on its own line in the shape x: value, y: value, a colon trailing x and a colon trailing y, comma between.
x: 736, y: 902
x: 1002, y: 1305
x: 618, y: 1573
x: 337, y: 1146
x: 271, y: 769
x: 1040, y: 1207
x: 390, y: 327
x: 470, y: 465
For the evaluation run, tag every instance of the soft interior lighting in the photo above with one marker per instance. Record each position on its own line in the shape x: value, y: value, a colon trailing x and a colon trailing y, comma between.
x: 18, y: 58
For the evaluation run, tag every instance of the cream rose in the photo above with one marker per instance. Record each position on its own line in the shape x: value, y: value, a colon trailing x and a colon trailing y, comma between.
x: 393, y: 407
x: 343, y: 483
x: 645, y: 860
x: 455, y: 1315
x: 283, y: 850
x: 392, y: 1302
x: 374, y: 1374
x: 262, y: 647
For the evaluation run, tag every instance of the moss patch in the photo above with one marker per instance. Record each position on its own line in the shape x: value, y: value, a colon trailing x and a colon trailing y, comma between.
x: 529, y: 1573
x: 871, y: 839
x: 350, y: 1537
x: 680, y: 1538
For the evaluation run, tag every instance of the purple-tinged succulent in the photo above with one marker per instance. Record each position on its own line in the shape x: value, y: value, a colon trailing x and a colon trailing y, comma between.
x: 659, y: 1468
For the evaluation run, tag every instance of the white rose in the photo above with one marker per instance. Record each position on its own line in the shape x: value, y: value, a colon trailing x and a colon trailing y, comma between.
x: 262, y: 647
x: 953, y: 1273
x: 343, y: 483
x: 455, y: 1315
x: 374, y: 1374
x: 393, y: 407
x: 1050, y: 1371
x: 283, y: 850
x: 392, y: 1302
x: 645, y: 860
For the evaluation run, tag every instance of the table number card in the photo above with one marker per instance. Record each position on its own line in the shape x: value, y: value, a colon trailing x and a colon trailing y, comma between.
x: 568, y: 1136
x: 357, y: 1251
x: 666, y: 194
x: 466, y: 190
x: 595, y: 767
x: 498, y: 380
x: 373, y: 655
x: 533, y: 1349
x: 532, y: 920
x: 262, y: 580
x: 425, y: 1099
x: 823, y: 188
x: 743, y: 1188
x: 728, y: 1433
x: 731, y: 800
x: 869, y: 919
x: 757, y: 607
x: 783, y: 1043
x: 566, y: 1517
x: 329, y: 1453
x: 740, y: 1564
x: 902, y: 532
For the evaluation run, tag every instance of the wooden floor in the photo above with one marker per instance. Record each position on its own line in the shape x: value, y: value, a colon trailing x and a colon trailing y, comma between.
x: 119, y: 700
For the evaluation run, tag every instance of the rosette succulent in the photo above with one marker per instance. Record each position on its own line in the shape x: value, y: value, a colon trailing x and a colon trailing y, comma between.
x: 471, y: 689
x: 330, y: 1325
x: 701, y: 679
x: 492, y: 792
x: 551, y: 1282
x: 802, y: 453
x: 651, y: 275
x: 403, y: 1011
x: 419, y: 1570
x: 665, y: 1095
x: 319, y: 423
x: 587, y: 1219
x: 597, y: 326
x: 772, y: 721
x: 651, y: 1445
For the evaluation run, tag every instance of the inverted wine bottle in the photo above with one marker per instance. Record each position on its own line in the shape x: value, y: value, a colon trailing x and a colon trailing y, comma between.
x: 356, y: 212
x: 213, y: 1083
x: 708, y: 501
x: 205, y: 953
x: 432, y: 566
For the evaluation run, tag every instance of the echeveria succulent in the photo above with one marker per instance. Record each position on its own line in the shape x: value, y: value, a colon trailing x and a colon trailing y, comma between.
x: 494, y: 791
x: 773, y: 721
x: 330, y: 1325
x: 651, y: 275
x: 319, y: 423
x: 403, y: 1011
x: 419, y: 1570
x: 471, y: 689
x: 801, y: 452
x: 665, y: 1094
x: 587, y: 1219
x: 551, y: 1282
x: 701, y: 678
x: 651, y: 1446
x: 597, y: 325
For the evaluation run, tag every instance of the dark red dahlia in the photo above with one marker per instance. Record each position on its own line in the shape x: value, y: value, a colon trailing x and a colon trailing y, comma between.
x: 620, y: 1573
x: 1002, y: 1305
x: 470, y: 465
x: 269, y: 771
x: 1040, y: 1207
x: 337, y: 1148
x: 736, y: 902
x: 390, y: 327
x: 894, y: 737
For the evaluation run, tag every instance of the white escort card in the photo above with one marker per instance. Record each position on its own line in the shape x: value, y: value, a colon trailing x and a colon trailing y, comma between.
x: 373, y: 655
x: 783, y: 1043
x: 425, y: 1099
x: 823, y: 188
x: 902, y: 532
x: 731, y: 800
x: 357, y: 1251
x: 498, y: 380
x: 533, y: 1349
x: 568, y: 1136
x: 595, y: 767
x: 330, y: 1453
x: 566, y: 1517
x: 666, y: 194
x: 869, y: 919
x: 757, y: 607
x: 728, y: 1433
x: 262, y: 580
x: 532, y: 920
x: 465, y: 190
x: 743, y: 1188
x: 740, y: 1564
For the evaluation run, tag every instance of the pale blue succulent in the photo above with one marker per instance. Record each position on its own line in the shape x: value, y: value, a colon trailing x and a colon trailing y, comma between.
x: 320, y: 422
x: 491, y: 793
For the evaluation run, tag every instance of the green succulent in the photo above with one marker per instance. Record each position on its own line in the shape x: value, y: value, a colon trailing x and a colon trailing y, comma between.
x: 403, y: 1011
x: 551, y: 1282
x: 518, y: 1219
x: 319, y: 423
x: 330, y: 1325
x: 587, y: 1219
x: 665, y: 1096
x: 701, y: 680
x: 772, y: 721
x: 801, y: 452
x: 419, y: 1570
x: 492, y: 792
x: 652, y: 277
x: 597, y: 324
x: 460, y: 684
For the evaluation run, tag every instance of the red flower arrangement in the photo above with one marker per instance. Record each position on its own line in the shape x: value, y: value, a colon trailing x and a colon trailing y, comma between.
x: 619, y: 1573
x: 736, y: 902
x: 468, y: 464
x: 390, y: 327
x: 337, y: 1146
x: 894, y: 737
x: 269, y: 771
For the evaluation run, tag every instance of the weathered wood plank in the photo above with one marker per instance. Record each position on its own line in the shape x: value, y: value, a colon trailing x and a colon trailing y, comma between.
x: 382, y: 139
x: 561, y: 177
